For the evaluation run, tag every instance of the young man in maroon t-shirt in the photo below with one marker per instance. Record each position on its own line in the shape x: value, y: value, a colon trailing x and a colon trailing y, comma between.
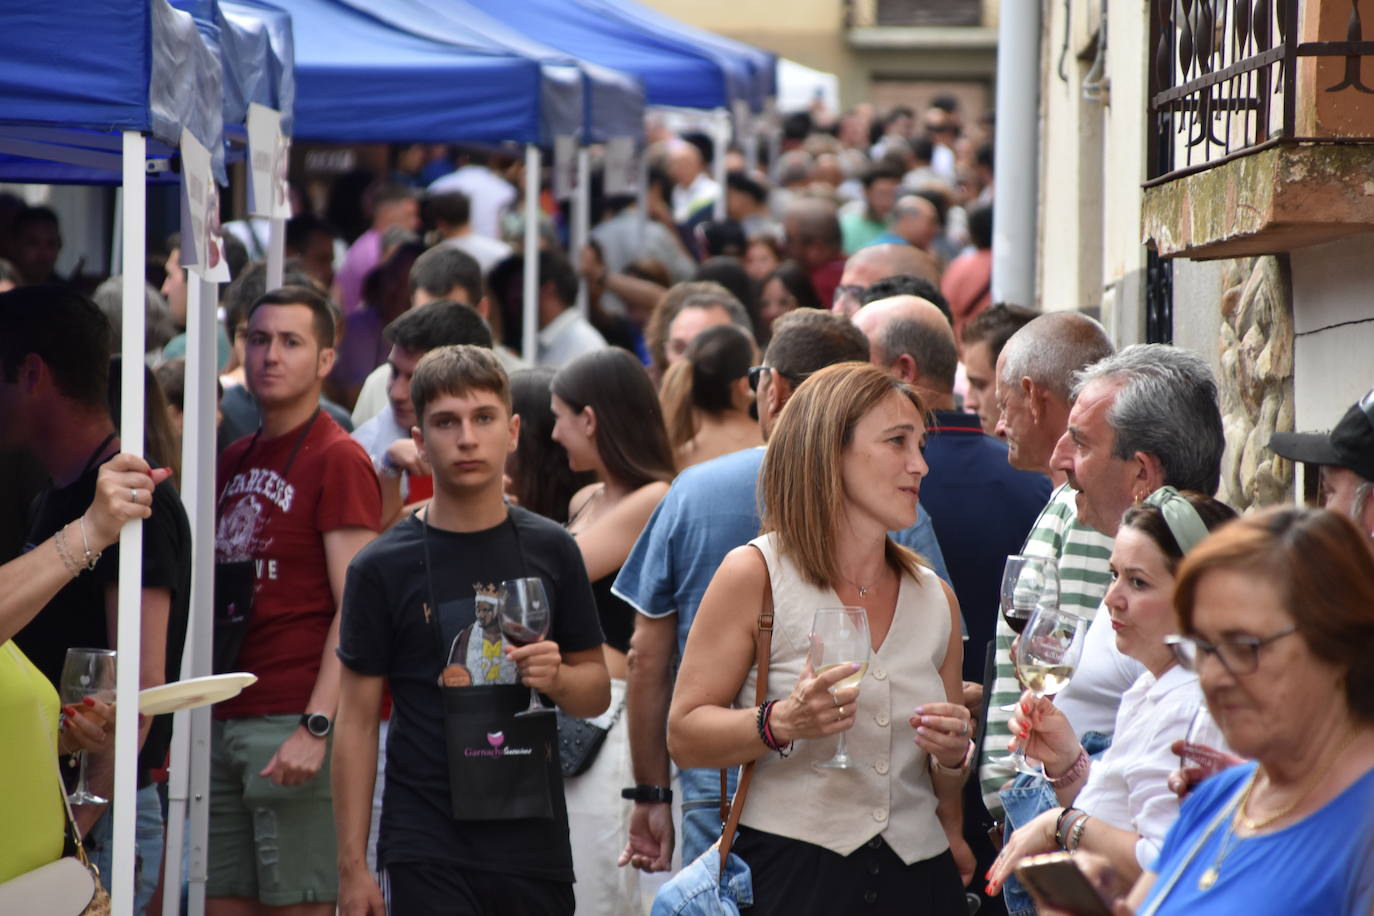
x: 297, y: 500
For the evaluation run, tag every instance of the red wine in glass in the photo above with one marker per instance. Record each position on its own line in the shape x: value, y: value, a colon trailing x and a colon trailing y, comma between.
x: 525, y: 620
x: 1018, y: 617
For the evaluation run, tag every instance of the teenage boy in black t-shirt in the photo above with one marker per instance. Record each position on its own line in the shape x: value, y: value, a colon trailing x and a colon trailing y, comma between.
x: 433, y: 861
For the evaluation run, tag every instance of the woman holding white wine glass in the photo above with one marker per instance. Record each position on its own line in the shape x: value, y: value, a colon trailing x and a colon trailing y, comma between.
x: 1121, y: 806
x: 30, y: 803
x: 843, y: 468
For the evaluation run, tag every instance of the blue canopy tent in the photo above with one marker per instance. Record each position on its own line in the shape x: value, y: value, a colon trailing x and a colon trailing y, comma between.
x: 675, y: 72
x: 761, y: 65
x: 613, y: 102
x: 97, y: 92
x: 276, y: 23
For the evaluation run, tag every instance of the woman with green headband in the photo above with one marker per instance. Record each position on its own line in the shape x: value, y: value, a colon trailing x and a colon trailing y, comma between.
x: 1120, y: 806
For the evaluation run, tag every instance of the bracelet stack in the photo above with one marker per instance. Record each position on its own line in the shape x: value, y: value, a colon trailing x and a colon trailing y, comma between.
x: 1076, y: 834
x: 766, y: 732
x: 60, y: 542
x: 1073, y: 773
x: 91, y: 556
x: 1068, y: 829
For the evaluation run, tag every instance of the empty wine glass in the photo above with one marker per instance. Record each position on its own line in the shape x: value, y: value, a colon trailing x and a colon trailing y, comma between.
x: 1045, y: 661
x: 1027, y: 582
x: 1202, y: 741
x: 87, y: 673
x: 839, y: 636
x: 525, y: 620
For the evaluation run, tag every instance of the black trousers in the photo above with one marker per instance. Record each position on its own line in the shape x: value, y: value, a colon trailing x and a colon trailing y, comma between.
x: 796, y: 878
x: 434, y: 889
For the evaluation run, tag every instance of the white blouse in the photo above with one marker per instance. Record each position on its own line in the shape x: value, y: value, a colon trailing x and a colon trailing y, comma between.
x: 1128, y: 787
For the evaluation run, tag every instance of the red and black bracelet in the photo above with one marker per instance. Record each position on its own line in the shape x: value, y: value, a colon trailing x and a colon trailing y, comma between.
x: 766, y: 731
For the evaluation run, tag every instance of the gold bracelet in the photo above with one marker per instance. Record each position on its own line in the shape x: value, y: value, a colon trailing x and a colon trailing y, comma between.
x: 67, y: 560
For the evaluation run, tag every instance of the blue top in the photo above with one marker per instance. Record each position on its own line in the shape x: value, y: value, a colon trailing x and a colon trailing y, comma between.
x: 1321, y: 866
x: 983, y: 508
x: 711, y: 509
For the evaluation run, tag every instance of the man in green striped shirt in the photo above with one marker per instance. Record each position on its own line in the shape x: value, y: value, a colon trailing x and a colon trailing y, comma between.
x: 1034, y: 375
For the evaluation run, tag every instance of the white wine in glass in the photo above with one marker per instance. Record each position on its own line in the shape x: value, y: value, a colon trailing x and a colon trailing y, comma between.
x: 1027, y: 581
x: 839, y: 636
x: 87, y: 673
x: 1046, y: 658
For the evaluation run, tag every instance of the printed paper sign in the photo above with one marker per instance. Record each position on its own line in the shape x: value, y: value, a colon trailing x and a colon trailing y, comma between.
x: 622, y: 167
x: 202, y: 244
x: 268, y: 158
x: 564, y: 167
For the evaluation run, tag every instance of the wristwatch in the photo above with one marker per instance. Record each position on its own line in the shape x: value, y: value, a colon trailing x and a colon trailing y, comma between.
x: 317, y: 723
x: 651, y: 794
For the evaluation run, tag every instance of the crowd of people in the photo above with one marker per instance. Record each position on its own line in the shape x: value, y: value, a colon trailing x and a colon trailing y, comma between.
x: 726, y: 425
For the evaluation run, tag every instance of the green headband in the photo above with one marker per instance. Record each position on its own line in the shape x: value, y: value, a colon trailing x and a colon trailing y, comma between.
x: 1184, y: 523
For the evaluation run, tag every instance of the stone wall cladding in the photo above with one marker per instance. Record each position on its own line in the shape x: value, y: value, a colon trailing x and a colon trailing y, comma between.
x: 1256, y: 379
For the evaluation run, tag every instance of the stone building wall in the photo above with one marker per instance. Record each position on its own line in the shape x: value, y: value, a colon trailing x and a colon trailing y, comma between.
x: 1255, y: 352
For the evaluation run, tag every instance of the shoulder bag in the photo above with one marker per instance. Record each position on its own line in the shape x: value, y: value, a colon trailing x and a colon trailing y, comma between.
x: 69, y: 886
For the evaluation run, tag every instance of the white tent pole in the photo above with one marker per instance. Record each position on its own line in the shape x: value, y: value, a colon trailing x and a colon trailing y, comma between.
x: 131, y: 537
x: 721, y: 138
x: 582, y: 221
x: 642, y: 193
x: 117, y: 240
x: 276, y: 251
x: 190, y: 746
x: 529, y: 337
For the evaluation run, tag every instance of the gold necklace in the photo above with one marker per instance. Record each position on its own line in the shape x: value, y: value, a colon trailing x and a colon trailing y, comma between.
x: 1213, y: 872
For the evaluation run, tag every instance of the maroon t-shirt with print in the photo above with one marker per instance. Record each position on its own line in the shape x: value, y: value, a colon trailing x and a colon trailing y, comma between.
x: 278, y: 520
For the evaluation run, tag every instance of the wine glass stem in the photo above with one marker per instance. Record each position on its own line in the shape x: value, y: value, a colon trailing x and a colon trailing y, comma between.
x: 842, y: 748
x: 81, y: 790
x: 535, y: 705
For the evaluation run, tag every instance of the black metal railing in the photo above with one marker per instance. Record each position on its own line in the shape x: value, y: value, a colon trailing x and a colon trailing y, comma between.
x: 1224, y: 79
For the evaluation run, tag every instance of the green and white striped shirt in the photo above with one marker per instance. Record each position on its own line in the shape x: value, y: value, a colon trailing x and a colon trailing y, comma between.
x: 1084, y: 555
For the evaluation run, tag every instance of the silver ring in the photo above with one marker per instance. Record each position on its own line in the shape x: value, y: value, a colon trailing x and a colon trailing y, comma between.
x: 841, y: 714
x: 965, y: 731
x: 133, y: 495
x: 836, y: 701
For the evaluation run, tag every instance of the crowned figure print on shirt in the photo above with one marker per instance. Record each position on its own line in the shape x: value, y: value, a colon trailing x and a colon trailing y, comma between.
x: 478, y: 654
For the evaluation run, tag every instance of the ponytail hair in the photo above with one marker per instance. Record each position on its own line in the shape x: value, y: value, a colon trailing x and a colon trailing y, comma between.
x: 704, y: 379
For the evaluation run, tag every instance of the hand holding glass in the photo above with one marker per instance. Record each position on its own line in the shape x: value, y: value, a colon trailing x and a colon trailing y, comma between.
x: 839, y: 636
x: 87, y: 673
x: 1045, y: 661
x: 1027, y: 582
x: 525, y: 620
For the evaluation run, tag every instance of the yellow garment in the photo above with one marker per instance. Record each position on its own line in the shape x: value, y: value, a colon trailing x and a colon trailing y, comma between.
x: 30, y: 807
x: 492, y: 654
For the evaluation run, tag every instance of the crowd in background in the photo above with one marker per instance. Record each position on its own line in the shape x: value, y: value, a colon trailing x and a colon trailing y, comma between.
x: 669, y: 350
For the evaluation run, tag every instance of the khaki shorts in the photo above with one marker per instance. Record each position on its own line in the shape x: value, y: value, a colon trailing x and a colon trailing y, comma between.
x: 274, y: 844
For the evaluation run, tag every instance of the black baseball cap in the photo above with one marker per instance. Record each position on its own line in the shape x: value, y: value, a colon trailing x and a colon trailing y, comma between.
x: 1349, y: 445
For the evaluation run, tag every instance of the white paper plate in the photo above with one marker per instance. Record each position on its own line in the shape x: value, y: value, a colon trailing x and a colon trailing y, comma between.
x: 196, y: 691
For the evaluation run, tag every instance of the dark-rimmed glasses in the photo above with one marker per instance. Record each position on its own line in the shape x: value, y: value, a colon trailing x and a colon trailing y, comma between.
x: 1239, y: 655
x: 756, y: 373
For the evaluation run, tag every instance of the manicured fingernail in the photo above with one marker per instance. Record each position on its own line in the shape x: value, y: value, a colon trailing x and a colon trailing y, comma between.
x: 69, y: 710
x: 922, y: 730
x: 989, y: 889
x: 920, y: 710
x: 89, y: 701
x: 854, y: 666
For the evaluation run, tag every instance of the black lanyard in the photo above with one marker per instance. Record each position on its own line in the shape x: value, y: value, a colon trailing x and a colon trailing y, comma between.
x: 431, y: 610
x: 285, y: 471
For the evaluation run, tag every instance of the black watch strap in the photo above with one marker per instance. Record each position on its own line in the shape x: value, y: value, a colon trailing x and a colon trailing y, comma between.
x: 653, y: 794
x: 317, y: 723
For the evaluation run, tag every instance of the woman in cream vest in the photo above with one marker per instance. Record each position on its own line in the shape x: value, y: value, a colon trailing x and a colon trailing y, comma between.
x: 843, y: 468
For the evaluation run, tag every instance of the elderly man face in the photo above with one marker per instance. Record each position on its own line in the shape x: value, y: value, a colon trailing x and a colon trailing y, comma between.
x: 684, y: 163
x: 1340, y: 491
x: 1106, y: 484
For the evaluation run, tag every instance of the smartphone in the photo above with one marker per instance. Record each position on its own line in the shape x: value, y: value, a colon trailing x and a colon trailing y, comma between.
x: 1056, y: 881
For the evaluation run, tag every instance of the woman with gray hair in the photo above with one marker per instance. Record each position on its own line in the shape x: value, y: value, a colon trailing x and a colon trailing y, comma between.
x: 157, y: 317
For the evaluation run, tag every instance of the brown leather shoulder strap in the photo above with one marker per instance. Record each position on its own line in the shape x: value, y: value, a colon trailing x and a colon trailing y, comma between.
x: 763, y: 646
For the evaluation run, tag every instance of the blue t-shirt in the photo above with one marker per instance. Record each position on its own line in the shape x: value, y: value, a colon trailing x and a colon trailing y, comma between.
x: 1321, y: 866
x: 711, y: 509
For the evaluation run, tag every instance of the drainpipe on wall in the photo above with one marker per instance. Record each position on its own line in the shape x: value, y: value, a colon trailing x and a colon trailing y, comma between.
x: 1016, y: 162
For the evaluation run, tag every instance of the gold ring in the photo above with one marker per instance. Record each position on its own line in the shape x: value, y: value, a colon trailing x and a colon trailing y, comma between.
x: 841, y: 714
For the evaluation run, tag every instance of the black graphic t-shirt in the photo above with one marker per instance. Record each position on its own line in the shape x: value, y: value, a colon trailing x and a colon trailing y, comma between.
x: 383, y: 632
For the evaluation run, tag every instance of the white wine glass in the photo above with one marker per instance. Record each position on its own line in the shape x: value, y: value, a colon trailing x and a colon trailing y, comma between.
x: 1027, y: 582
x: 839, y: 636
x: 1046, y: 659
x: 87, y: 673
x: 525, y: 620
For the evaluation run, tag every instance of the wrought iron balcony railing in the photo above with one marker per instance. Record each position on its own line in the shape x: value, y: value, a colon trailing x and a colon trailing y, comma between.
x: 1231, y: 77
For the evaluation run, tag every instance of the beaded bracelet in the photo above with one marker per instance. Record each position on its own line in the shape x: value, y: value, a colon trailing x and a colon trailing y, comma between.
x: 1073, y: 773
x: 766, y: 731
x: 92, y: 556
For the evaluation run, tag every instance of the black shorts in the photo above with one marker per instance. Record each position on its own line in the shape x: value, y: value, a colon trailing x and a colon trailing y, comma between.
x: 435, y: 889
x: 794, y: 878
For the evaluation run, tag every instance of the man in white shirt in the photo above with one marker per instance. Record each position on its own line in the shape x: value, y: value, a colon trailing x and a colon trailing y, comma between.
x: 564, y: 334
x: 451, y: 214
x: 694, y: 191
x: 489, y: 195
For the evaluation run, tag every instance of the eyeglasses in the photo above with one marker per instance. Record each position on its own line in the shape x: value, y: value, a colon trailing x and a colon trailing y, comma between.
x: 756, y: 373
x: 850, y: 290
x: 1239, y: 655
